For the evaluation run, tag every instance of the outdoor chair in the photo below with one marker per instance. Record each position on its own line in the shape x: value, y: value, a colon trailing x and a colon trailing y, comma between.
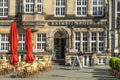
x: 20, y: 71
x: 28, y: 71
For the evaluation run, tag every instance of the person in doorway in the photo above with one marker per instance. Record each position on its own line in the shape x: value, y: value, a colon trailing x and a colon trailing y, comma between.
x: 54, y: 53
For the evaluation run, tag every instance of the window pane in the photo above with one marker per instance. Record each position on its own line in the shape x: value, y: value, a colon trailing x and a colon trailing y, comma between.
x: 1, y: 0
x: 77, y: 36
x: 39, y: 1
x: 39, y: 6
x: 1, y: 4
x: 60, y: 7
x: 29, y: 6
x: 41, y: 41
x: 84, y: 46
x: 101, y: 36
x: 4, y: 43
x: 77, y: 45
x: 98, y: 6
x: 5, y: 0
x: 84, y: 36
x: 118, y: 14
x: 118, y: 6
x: 21, y: 42
x: 104, y: 60
x: 93, y: 36
x: 81, y: 8
x: 3, y: 8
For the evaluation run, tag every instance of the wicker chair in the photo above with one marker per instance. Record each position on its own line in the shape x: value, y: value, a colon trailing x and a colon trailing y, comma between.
x: 20, y: 71
x: 29, y: 71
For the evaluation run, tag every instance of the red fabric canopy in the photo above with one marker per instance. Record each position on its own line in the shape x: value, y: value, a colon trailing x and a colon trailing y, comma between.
x: 28, y: 43
x: 13, y: 44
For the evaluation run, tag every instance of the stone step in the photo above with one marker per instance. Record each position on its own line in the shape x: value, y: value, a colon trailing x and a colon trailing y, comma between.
x: 59, y: 62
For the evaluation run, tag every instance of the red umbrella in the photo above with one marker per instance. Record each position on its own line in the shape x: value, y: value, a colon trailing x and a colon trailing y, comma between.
x: 13, y: 44
x: 28, y: 43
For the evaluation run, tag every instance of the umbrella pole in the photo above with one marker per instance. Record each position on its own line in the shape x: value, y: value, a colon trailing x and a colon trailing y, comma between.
x: 15, y: 71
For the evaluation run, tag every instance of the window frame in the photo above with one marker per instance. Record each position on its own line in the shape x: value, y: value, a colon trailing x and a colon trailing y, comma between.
x: 101, y: 41
x: 93, y: 41
x: 29, y: 3
x: 98, y: 6
x: 84, y: 34
x: 59, y: 11
x: 101, y: 60
x: 41, y: 41
x: 4, y: 7
x: 41, y: 4
x: 118, y: 12
x: 81, y: 6
x: 5, y: 41
x: 21, y: 42
x: 77, y: 41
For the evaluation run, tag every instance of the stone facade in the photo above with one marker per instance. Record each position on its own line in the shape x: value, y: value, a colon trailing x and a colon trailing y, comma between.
x: 41, y: 23
x: 114, y: 26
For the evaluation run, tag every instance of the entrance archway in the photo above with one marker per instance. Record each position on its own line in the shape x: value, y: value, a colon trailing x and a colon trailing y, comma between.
x: 60, y: 43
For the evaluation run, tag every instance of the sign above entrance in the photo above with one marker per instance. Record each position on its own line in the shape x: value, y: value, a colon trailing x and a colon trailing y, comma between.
x: 76, y: 23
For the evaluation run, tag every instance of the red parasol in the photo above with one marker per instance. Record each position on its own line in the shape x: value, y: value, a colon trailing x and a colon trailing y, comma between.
x: 13, y: 44
x: 28, y: 43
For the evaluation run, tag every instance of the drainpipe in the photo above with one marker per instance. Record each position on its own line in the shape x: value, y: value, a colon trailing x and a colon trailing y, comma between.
x: 20, y: 6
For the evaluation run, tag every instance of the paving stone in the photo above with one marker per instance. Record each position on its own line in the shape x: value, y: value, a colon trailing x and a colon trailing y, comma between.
x: 65, y: 73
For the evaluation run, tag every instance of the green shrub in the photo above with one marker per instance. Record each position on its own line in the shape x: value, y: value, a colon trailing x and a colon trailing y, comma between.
x: 114, y: 63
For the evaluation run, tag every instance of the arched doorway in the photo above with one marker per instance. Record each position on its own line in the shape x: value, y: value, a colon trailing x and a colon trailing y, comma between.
x: 60, y: 44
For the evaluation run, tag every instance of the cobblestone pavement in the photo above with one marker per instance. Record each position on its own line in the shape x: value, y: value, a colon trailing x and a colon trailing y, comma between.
x: 65, y: 73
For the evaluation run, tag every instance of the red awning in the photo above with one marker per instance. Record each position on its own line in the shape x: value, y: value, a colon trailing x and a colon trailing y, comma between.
x: 13, y: 44
x: 28, y: 44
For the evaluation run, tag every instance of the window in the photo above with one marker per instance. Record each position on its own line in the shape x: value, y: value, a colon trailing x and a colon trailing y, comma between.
x: 3, y: 8
x: 60, y: 7
x: 101, y: 60
x: 93, y: 41
x: 4, y: 43
x: 104, y: 60
x: 41, y: 41
x: 77, y: 40
x: 84, y: 41
x: 29, y: 6
x: 98, y: 7
x: 21, y: 42
x: 39, y: 4
x: 118, y: 8
x: 101, y: 41
x: 81, y: 7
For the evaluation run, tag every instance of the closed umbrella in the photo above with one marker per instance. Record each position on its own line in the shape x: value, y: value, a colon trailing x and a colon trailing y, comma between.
x: 13, y: 37
x: 28, y: 44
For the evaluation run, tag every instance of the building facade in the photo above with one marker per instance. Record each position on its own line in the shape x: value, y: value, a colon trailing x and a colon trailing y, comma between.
x: 114, y: 26
x: 59, y: 26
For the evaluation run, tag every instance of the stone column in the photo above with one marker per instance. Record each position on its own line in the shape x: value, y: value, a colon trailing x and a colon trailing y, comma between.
x: 89, y: 7
x: 12, y: 7
x: 97, y: 41
x: 72, y: 41
x: 19, y: 57
x: 81, y: 39
x: 119, y: 39
x: 116, y: 26
x: 110, y: 26
x: 89, y: 41
x: 105, y: 39
x: 35, y: 10
x: 23, y: 8
x: 70, y: 8
x: 35, y: 5
x: 69, y: 44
